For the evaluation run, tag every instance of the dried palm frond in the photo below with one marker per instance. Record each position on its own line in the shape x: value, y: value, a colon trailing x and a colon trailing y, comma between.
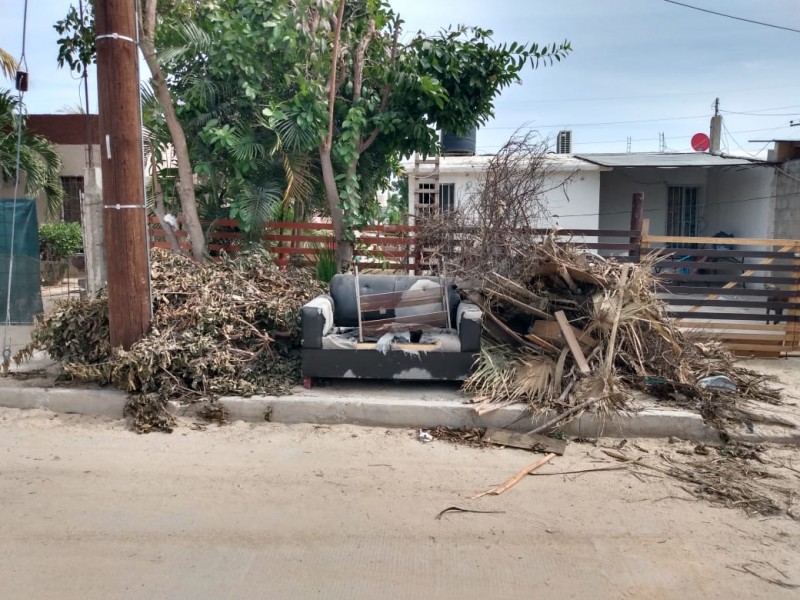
x: 502, y: 374
x: 532, y: 377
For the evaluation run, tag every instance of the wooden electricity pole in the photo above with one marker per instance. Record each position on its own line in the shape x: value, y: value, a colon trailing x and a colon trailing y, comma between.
x: 124, y: 212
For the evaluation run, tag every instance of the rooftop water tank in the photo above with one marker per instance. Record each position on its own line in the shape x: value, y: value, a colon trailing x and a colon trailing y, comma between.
x: 459, y: 145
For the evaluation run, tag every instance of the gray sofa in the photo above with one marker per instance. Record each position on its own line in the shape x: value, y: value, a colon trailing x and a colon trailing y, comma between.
x: 331, y: 347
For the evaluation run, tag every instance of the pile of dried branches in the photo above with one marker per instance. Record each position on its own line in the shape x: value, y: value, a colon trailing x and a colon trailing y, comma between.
x: 225, y: 327
x: 726, y: 476
x: 539, y: 292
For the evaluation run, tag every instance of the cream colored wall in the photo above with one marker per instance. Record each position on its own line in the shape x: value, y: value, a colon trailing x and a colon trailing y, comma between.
x: 73, y: 164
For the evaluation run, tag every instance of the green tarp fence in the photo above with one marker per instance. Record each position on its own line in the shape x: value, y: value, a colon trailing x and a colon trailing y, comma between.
x: 26, y: 296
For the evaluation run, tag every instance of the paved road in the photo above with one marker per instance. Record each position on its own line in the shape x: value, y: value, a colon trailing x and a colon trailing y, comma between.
x: 90, y: 510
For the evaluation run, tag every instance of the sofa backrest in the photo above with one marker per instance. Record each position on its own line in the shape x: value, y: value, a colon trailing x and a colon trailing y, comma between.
x: 343, y: 292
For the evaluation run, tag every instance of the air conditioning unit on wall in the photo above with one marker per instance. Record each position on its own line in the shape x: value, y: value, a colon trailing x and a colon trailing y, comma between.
x: 564, y: 142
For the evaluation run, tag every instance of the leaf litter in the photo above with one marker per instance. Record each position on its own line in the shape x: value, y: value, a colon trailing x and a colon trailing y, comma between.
x: 226, y: 327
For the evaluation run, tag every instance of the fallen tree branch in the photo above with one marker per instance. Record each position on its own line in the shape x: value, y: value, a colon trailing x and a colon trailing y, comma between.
x: 563, y: 415
x: 467, y: 510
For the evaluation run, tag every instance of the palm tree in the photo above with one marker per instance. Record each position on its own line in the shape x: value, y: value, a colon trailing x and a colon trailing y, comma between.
x: 38, y: 157
x: 8, y: 64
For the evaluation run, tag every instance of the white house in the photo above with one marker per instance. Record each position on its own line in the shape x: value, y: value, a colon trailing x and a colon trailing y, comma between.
x: 685, y: 194
x: 572, y: 196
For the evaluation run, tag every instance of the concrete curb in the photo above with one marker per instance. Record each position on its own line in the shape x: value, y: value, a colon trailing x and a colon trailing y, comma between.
x: 425, y: 414
x: 79, y: 401
x: 396, y: 410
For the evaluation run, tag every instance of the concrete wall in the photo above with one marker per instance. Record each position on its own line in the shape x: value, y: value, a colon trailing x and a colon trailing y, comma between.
x: 739, y: 202
x: 732, y: 199
x: 574, y: 205
x: 617, y: 188
x: 73, y: 159
x: 787, y: 201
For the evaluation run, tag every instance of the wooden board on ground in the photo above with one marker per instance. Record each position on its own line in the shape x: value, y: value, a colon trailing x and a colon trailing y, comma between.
x: 525, y: 441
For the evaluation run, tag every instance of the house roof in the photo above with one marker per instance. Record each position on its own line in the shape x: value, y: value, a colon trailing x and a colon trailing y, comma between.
x: 67, y: 129
x: 461, y: 164
x: 667, y: 160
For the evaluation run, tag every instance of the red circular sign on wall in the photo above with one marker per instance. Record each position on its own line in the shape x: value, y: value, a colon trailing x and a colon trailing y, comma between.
x: 700, y: 142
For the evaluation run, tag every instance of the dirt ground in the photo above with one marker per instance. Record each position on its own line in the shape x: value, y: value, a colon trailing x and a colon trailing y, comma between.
x: 91, y: 510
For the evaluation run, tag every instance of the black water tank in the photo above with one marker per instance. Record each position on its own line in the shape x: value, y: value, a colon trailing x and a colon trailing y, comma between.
x: 459, y: 145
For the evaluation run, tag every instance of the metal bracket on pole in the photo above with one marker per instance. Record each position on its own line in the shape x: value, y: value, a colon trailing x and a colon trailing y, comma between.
x: 120, y: 206
x: 115, y: 36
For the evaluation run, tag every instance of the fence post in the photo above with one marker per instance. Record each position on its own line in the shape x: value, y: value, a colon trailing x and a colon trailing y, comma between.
x: 637, y: 215
x: 644, y: 245
x: 793, y: 327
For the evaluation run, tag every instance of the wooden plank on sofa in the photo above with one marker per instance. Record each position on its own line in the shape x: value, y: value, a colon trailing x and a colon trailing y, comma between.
x: 402, y: 346
x: 408, y: 298
x: 407, y: 323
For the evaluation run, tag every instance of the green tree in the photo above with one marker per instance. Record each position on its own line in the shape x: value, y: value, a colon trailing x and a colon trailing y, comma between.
x: 337, y: 74
x: 39, y: 160
x: 77, y: 50
x: 271, y: 94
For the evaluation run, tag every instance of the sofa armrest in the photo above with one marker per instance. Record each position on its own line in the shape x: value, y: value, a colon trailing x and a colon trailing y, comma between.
x: 316, y: 319
x: 468, y: 321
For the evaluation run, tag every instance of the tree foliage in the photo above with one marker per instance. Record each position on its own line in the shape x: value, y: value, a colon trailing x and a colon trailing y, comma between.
x: 287, y: 102
x: 336, y: 77
x: 39, y: 160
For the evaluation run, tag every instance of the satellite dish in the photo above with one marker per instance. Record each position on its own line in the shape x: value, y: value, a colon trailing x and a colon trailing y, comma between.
x: 700, y: 142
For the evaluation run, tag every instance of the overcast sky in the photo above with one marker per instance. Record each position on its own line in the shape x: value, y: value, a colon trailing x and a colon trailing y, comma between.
x: 638, y: 67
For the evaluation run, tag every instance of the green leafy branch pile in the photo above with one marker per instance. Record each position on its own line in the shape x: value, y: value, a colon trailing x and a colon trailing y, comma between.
x: 226, y: 327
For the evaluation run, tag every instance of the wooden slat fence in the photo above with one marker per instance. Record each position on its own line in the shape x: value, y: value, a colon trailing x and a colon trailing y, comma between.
x: 377, y: 247
x: 744, y: 291
x: 712, y: 284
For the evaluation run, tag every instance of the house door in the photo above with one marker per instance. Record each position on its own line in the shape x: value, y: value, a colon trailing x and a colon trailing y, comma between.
x: 682, y: 210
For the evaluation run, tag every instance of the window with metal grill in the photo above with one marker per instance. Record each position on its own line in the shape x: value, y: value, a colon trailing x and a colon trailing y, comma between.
x: 73, y: 196
x: 447, y: 197
x: 682, y: 210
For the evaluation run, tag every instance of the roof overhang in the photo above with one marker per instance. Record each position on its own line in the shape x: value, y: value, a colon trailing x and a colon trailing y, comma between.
x: 669, y: 160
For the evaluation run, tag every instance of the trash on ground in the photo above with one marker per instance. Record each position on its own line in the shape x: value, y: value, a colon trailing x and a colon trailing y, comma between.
x: 718, y: 382
x: 424, y: 436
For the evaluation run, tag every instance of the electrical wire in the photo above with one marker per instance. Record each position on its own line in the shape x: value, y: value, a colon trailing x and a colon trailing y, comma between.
x: 610, y: 122
x: 501, y: 101
x: 730, y: 135
x: 727, y: 16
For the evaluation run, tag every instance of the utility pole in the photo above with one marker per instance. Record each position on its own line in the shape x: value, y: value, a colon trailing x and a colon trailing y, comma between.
x: 129, y: 306
x: 716, y: 128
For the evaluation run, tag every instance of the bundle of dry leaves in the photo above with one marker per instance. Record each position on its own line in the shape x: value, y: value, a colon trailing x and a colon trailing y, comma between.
x: 224, y: 327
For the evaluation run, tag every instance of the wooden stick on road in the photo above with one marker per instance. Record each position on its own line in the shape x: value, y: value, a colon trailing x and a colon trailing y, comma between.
x: 499, y: 489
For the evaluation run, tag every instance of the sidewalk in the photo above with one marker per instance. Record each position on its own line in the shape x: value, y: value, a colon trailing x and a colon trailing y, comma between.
x: 419, y: 405
x: 386, y: 404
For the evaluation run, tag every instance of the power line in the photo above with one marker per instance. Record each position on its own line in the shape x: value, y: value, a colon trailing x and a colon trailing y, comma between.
x: 719, y: 14
x: 608, y: 122
x: 502, y: 101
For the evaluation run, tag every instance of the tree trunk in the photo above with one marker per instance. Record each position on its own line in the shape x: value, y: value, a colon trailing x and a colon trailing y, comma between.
x: 161, y: 212
x: 185, y: 175
x: 344, y: 247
